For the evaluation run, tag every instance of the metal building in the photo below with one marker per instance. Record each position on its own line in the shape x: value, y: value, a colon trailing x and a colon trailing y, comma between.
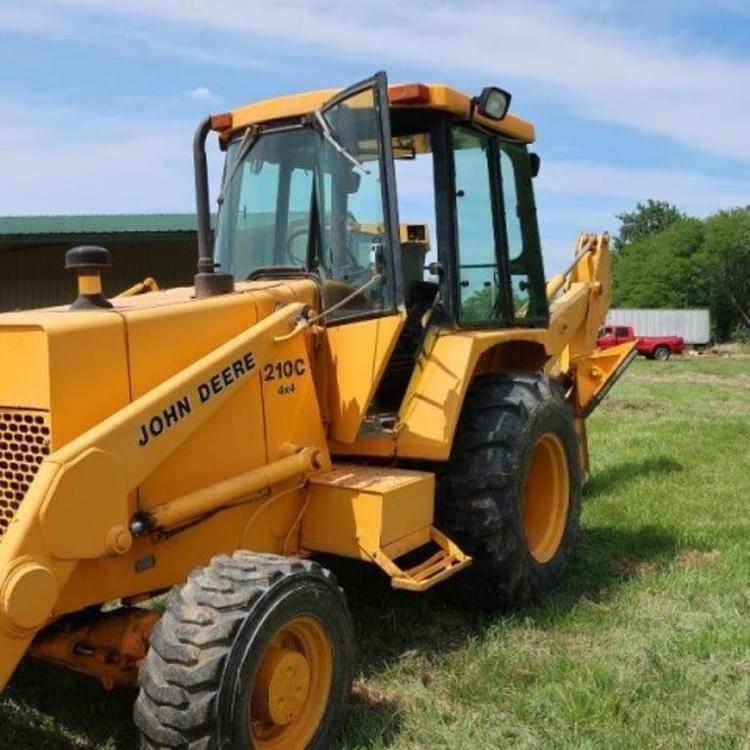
x: 693, y: 325
x: 32, y: 253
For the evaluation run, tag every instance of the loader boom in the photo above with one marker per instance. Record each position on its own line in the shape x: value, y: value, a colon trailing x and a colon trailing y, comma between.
x: 94, y: 476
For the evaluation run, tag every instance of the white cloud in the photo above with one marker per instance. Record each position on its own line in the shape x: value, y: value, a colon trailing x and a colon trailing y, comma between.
x: 692, y: 192
x: 58, y: 162
x: 597, y: 69
x: 202, y: 93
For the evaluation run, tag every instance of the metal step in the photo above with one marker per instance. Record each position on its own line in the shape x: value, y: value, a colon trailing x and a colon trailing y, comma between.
x: 381, y: 514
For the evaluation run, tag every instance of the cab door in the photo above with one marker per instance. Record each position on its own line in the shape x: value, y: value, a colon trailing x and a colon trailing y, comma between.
x: 495, y: 255
x: 360, y: 240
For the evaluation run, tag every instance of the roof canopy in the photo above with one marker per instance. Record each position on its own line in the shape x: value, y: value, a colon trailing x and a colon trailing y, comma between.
x: 431, y: 96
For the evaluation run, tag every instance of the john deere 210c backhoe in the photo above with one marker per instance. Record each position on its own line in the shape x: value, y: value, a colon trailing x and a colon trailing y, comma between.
x: 315, y: 391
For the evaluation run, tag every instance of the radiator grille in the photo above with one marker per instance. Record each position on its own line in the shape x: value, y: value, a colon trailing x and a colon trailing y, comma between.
x: 24, y: 444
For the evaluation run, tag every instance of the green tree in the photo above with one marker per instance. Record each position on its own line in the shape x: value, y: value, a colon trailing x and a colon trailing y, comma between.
x: 478, y: 307
x: 648, y: 219
x: 724, y: 263
x: 661, y: 270
x: 692, y: 263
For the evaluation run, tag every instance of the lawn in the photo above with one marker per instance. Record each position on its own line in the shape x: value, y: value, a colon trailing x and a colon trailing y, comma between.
x: 646, y: 645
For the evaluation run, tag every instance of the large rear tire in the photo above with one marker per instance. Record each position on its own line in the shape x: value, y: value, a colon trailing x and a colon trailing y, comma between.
x: 510, y: 495
x: 255, y: 651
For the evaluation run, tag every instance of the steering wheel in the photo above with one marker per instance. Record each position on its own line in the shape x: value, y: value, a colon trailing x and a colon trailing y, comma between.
x: 352, y: 271
x: 290, y: 239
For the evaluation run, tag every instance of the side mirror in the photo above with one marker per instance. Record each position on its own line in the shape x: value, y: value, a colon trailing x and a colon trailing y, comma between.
x: 535, y: 163
x: 493, y: 103
x: 350, y: 181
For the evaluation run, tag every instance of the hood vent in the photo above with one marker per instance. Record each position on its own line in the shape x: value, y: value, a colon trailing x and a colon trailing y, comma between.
x: 24, y: 444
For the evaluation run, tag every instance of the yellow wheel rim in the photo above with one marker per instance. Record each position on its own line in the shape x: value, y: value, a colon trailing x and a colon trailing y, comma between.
x: 546, y: 498
x: 292, y: 686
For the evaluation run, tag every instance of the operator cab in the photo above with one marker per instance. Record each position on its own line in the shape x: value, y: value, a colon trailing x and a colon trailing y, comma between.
x: 352, y: 187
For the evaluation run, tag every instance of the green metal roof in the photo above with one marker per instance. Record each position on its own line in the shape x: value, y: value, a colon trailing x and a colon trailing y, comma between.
x: 18, y: 226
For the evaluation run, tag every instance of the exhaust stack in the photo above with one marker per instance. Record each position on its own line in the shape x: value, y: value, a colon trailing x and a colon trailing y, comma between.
x: 208, y: 283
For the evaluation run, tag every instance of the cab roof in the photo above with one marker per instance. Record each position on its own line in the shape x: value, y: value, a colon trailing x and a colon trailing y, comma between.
x: 416, y: 95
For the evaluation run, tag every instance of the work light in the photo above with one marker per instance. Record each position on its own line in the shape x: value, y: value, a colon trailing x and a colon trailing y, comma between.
x: 493, y: 103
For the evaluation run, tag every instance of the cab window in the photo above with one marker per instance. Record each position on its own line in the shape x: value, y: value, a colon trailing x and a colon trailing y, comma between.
x: 524, y: 251
x: 480, y: 292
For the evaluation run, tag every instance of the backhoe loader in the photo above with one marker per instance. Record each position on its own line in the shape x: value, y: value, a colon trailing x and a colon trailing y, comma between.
x: 332, y: 383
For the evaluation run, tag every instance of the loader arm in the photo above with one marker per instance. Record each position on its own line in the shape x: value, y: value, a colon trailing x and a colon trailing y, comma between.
x: 579, y: 300
x: 91, y: 481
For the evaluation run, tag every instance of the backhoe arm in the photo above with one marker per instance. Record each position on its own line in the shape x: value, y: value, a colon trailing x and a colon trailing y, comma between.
x: 579, y: 301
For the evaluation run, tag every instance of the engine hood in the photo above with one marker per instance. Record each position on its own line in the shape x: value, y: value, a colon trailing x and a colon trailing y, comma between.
x: 79, y: 367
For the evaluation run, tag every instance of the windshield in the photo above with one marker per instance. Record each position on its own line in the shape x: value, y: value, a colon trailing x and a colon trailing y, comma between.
x: 310, y: 200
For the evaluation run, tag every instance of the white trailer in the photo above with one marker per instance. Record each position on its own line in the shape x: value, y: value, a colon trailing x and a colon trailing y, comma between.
x: 693, y: 325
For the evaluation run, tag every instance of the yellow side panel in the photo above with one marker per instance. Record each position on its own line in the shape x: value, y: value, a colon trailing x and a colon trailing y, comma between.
x: 290, y: 401
x: 71, y: 363
x: 435, y: 396
x: 88, y: 373
x: 25, y: 367
x: 164, y: 340
x: 357, y: 354
x: 292, y: 419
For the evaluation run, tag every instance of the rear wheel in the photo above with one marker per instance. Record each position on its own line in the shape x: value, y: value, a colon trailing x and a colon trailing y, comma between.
x: 662, y: 353
x: 510, y: 494
x: 255, y: 651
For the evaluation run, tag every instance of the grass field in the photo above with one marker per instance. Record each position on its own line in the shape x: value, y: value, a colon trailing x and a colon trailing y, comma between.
x: 646, y: 645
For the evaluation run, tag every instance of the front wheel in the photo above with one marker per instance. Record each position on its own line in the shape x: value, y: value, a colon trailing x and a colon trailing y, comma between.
x: 255, y: 651
x: 510, y: 495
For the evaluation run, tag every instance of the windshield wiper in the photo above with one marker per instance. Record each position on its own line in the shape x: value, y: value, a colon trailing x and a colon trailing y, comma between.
x: 327, y: 133
x: 249, y: 139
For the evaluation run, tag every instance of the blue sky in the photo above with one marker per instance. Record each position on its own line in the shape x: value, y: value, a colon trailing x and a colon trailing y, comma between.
x: 631, y: 100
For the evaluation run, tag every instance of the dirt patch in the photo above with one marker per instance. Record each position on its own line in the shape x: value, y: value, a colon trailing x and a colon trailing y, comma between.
x: 616, y: 405
x: 626, y: 566
x: 694, y: 557
x: 373, y: 697
x: 688, y: 558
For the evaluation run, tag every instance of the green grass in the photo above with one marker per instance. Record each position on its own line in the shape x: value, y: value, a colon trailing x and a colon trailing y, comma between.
x: 645, y: 645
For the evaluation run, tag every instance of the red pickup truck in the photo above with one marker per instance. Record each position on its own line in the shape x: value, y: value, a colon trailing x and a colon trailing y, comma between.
x: 653, y: 347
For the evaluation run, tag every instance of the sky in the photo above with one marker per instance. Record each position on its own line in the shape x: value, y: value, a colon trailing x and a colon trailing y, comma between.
x: 631, y: 100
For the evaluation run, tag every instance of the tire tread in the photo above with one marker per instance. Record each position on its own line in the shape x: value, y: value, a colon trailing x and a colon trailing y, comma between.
x: 190, y: 644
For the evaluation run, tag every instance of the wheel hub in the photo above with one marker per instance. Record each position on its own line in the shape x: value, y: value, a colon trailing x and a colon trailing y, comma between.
x: 283, y: 685
x: 292, y: 686
x: 546, y: 498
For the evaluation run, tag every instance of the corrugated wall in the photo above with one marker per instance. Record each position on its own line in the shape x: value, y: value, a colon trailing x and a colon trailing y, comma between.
x: 34, y: 276
x: 693, y: 325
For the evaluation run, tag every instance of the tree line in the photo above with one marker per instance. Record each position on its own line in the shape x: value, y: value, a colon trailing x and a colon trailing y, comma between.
x: 664, y: 258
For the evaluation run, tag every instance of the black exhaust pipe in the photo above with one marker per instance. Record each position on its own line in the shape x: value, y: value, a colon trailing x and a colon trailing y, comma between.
x: 208, y: 283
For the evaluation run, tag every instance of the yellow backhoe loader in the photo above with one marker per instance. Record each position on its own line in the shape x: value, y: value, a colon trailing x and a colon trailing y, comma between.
x: 332, y: 384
